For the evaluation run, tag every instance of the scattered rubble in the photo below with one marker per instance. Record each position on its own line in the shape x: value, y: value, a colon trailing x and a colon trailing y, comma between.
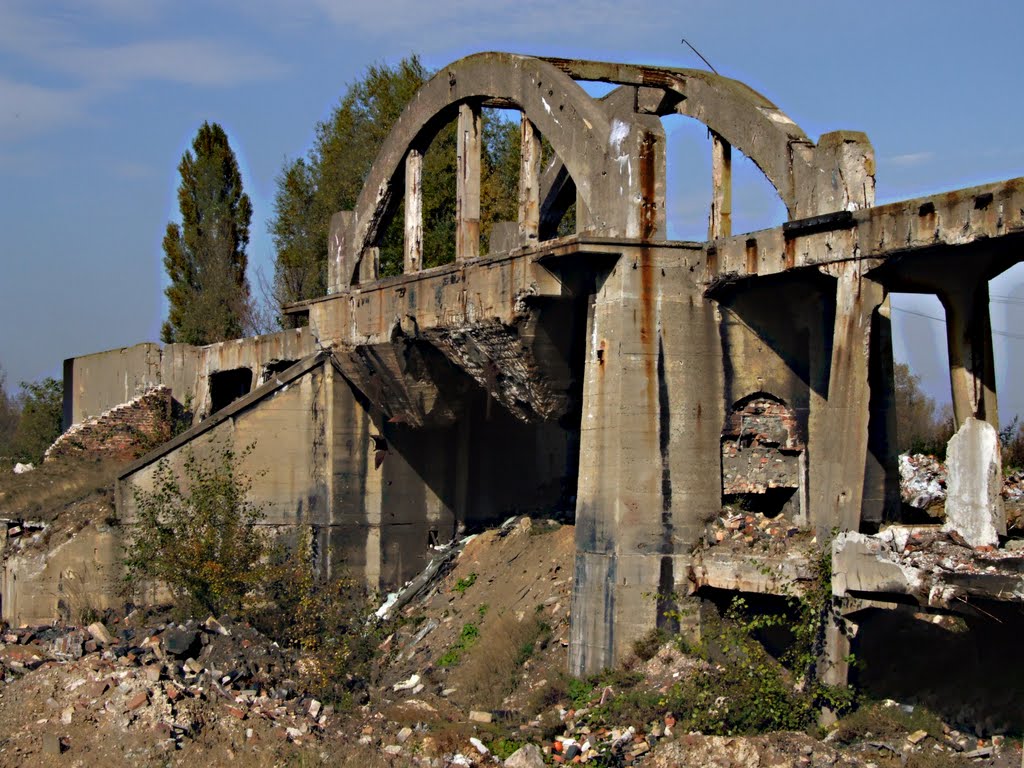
x: 923, y: 485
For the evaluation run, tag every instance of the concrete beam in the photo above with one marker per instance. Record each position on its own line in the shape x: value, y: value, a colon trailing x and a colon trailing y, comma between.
x: 529, y: 183
x: 413, y: 212
x: 720, y: 220
x: 467, y: 192
x: 969, y: 342
x: 920, y: 227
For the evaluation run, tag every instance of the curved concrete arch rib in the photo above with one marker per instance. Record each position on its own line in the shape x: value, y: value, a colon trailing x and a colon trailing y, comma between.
x: 575, y: 125
x: 838, y: 173
x: 735, y: 111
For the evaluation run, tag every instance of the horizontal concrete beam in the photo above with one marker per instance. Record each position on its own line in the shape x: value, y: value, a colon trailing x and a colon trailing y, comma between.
x: 956, y: 218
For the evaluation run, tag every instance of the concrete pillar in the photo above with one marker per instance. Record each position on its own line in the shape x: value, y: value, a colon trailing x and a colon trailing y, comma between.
x: 413, y: 212
x: 839, y: 424
x: 969, y: 339
x: 720, y: 220
x: 529, y: 183
x: 649, y: 450
x: 881, y: 473
x: 467, y: 193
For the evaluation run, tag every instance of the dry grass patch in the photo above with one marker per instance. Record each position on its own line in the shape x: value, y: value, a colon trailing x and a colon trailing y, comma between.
x: 491, y: 669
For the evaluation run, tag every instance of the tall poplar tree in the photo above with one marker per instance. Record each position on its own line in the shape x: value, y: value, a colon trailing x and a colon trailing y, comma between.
x: 205, y: 255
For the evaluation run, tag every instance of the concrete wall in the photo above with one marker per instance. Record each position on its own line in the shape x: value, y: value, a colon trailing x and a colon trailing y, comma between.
x: 286, y: 463
x: 97, y: 382
x: 65, y: 582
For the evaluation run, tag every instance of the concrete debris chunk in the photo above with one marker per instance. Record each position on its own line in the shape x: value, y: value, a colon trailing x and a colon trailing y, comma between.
x: 529, y: 756
x: 178, y: 641
x: 100, y: 633
x: 477, y: 716
x: 407, y: 685
x: 974, y: 506
x: 51, y: 744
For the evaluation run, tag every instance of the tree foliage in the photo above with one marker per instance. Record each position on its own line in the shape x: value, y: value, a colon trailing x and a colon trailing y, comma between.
x: 198, y: 533
x: 41, y: 418
x: 205, y: 255
x: 329, y: 179
x: 10, y: 414
x: 920, y: 428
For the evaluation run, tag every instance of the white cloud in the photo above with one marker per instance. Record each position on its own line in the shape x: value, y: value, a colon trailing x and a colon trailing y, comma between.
x: 911, y: 158
x: 63, y: 72
x: 27, y: 108
x: 193, y: 62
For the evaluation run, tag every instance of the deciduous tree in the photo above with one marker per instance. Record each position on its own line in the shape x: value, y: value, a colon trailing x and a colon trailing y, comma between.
x: 205, y: 255
x: 10, y: 413
x: 330, y: 178
x: 42, y: 411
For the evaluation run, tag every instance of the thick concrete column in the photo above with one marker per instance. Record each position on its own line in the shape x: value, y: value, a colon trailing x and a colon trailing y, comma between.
x: 529, y: 183
x: 881, y: 473
x: 467, y: 193
x: 413, y: 212
x: 649, y: 450
x: 838, y: 429
x: 720, y: 220
x: 971, y: 364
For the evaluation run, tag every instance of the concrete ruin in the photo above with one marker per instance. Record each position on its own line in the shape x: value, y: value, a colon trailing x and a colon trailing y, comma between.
x: 632, y: 381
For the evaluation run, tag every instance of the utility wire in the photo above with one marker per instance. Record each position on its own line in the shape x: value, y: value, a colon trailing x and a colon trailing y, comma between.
x: 1007, y: 334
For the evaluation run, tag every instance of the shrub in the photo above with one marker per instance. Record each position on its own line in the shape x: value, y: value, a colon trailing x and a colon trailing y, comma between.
x: 198, y: 533
x: 325, y: 620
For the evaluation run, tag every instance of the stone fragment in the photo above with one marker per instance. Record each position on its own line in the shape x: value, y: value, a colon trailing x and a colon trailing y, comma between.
x: 974, y: 506
x: 393, y: 749
x: 480, y: 717
x: 152, y: 672
x: 178, y: 642
x: 314, y: 708
x: 917, y: 737
x: 138, y: 701
x: 215, y: 626
x: 479, y: 745
x: 100, y: 633
x: 529, y: 756
x: 51, y: 744
x: 403, y: 735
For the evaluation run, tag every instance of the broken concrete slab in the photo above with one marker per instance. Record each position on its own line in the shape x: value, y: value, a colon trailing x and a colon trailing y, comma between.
x: 974, y: 506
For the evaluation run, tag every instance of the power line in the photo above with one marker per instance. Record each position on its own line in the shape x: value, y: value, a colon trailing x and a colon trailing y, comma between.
x: 1007, y: 334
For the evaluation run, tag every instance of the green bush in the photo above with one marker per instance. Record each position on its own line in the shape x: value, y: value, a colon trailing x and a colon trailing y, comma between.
x: 198, y: 533
x: 326, y: 620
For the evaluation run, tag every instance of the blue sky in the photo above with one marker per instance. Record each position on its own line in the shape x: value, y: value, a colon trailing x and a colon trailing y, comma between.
x: 99, y: 98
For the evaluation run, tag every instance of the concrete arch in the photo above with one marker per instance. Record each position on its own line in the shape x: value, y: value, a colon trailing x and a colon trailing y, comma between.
x: 579, y: 132
x: 800, y: 171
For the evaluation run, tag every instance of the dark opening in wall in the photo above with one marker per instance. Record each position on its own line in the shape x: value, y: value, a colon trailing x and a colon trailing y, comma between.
x: 275, y: 367
x: 228, y: 386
